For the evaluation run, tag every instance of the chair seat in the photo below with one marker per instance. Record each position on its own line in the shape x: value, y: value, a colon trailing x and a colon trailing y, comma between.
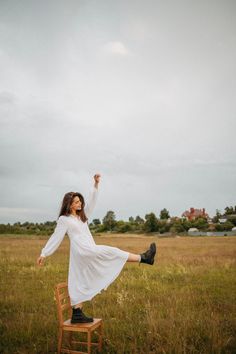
x: 89, y: 326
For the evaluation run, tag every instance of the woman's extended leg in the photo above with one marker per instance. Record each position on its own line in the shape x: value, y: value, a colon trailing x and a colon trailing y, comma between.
x: 134, y: 257
x: 146, y: 257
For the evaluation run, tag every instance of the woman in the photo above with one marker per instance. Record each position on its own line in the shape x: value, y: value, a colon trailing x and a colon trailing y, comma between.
x: 92, y: 267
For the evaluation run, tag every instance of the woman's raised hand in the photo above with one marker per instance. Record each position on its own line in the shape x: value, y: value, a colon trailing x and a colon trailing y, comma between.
x: 40, y: 260
x: 97, y: 178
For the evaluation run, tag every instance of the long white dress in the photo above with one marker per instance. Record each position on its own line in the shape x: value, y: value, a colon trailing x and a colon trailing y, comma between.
x: 92, y: 267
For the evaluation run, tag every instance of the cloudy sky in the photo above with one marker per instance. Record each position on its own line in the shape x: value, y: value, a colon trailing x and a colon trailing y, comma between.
x: 142, y: 92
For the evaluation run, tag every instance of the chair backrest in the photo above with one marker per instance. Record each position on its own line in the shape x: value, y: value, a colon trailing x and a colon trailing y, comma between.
x: 63, y: 302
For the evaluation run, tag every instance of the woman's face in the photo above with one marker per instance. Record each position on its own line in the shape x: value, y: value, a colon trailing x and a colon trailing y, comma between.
x: 76, y: 204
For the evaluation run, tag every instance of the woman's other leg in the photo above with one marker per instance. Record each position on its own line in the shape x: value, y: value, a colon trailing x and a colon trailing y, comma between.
x: 134, y: 257
x: 80, y: 305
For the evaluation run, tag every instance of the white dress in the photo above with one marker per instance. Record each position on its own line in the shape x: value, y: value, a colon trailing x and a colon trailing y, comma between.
x: 92, y: 267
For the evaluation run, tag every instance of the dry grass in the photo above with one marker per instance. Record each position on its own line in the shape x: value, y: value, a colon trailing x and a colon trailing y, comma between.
x: 185, y: 303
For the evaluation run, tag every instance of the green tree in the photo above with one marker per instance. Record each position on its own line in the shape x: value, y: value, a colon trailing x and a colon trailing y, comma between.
x: 122, y: 226
x: 164, y: 214
x: 109, y: 220
x: 177, y: 227
x: 139, y: 220
x: 96, y: 222
x: 163, y: 226
x: 232, y: 218
x: 218, y: 215
x: 151, y: 223
x: 201, y: 224
x: 227, y: 226
x: 229, y: 210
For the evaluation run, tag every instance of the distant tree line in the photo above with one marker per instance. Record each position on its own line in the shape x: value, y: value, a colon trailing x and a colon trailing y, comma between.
x: 149, y: 224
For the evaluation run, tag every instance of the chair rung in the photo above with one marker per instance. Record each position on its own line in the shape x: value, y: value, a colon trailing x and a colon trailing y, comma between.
x: 72, y: 351
x: 61, y: 285
x: 65, y: 307
x: 77, y: 342
x: 63, y: 296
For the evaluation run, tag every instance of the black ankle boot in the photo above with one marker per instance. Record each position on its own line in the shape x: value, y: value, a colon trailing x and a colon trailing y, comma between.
x: 148, y: 256
x: 79, y: 317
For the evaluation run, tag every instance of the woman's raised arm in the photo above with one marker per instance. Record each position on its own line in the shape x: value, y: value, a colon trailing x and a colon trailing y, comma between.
x: 93, y: 197
x: 90, y: 205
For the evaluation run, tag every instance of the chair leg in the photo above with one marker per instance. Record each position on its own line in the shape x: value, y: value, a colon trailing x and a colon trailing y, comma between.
x: 70, y: 338
x: 89, y: 342
x: 100, y: 338
x: 59, y: 340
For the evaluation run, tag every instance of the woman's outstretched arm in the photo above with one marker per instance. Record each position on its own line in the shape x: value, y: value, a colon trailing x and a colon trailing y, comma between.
x: 89, y: 207
x: 55, y: 239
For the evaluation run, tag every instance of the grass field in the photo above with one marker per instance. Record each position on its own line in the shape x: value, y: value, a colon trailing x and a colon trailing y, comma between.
x: 185, y: 303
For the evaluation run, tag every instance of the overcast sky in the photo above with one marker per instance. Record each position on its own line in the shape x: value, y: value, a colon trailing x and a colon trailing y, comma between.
x: 142, y: 92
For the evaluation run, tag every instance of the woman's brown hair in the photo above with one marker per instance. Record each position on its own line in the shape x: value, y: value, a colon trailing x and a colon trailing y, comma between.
x: 66, y: 204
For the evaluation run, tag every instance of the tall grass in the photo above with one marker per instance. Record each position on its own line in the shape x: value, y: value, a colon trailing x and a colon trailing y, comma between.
x: 185, y: 303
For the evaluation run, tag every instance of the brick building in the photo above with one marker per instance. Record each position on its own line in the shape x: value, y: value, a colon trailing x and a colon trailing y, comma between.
x: 195, y: 213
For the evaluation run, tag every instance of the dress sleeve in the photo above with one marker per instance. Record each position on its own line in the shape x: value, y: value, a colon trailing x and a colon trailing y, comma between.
x: 56, y: 238
x: 91, y: 202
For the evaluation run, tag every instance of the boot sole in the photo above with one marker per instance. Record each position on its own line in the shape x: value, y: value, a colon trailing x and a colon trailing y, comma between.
x: 74, y: 321
x: 153, y: 249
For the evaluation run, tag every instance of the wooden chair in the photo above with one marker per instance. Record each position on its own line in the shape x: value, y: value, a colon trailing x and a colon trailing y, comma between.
x: 64, y: 306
